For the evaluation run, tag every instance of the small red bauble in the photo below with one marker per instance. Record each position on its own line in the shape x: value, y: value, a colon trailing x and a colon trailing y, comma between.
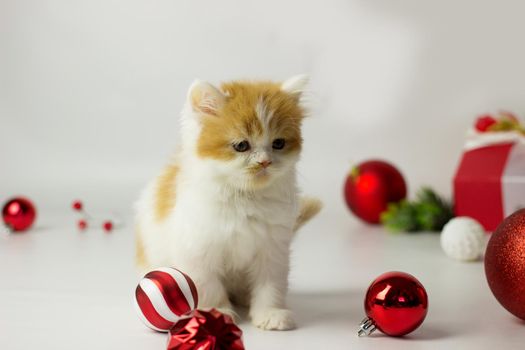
x: 163, y: 296
x: 505, y: 263
x: 205, y: 330
x: 371, y: 186
x: 396, y: 303
x: 19, y: 214
x: 484, y: 122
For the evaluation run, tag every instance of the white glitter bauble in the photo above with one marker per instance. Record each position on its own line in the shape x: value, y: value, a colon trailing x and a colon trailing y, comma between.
x: 463, y: 238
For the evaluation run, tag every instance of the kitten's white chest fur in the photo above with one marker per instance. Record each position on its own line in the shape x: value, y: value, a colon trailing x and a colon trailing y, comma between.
x: 220, y: 227
x: 249, y: 224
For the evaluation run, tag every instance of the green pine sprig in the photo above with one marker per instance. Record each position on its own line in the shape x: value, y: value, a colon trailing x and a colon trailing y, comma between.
x: 429, y: 212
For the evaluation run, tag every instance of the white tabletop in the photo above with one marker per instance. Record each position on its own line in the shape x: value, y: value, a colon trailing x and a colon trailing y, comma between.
x: 61, y: 289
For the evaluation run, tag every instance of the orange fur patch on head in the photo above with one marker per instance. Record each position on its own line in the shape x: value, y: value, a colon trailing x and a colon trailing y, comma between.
x: 237, y: 119
x: 165, y: 192
x: 286, y: 121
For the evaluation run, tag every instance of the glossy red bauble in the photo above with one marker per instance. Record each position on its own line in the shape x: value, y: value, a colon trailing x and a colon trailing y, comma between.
x: 396, y: 303
x: 505, y: 263
x: 371, y: 186
x: 19, y: 214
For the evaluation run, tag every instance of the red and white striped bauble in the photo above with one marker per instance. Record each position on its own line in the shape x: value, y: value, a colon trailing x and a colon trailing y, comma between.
x: 163, y: 296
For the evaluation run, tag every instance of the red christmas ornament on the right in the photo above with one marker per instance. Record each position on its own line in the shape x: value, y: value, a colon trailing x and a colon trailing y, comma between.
x: 396, y: 303
x: 371, y: 186
x: 505, y: 263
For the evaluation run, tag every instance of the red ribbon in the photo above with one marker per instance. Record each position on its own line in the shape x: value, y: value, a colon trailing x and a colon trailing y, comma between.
x: 205, y: 330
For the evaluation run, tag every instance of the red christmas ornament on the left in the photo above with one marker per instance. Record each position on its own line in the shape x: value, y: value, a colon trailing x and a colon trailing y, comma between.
x: 371, y: 186
x: 396, y: 303
x: 19, y: 214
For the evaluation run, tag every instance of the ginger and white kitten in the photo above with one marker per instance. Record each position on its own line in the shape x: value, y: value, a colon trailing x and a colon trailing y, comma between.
x: 225, y: 210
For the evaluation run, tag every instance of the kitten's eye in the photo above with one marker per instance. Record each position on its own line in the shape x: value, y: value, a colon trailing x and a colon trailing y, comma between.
x: 278, y: 144
x: 242, y: 146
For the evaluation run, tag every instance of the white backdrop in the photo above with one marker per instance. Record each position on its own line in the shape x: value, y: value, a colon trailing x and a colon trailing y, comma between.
x: 90, y: 91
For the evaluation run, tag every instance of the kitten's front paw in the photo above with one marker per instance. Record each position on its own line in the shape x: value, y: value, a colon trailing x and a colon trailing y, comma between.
x: 273, y: 319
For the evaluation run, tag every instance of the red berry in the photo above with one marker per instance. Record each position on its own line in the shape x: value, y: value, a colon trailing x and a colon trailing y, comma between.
x: 484, y: 122
x: 108, y: 226
x: 77, y: 205
x: 82, y: 224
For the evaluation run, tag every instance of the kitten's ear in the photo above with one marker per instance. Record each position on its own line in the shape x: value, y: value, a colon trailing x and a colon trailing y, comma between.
x: 296, y: 85
x: 205, y: 98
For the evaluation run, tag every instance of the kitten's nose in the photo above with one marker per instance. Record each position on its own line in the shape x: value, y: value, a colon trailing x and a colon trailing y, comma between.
x: 265, y: 163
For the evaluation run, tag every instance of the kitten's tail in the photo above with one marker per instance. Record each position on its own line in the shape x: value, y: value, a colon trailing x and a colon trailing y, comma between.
x: 308, y: 208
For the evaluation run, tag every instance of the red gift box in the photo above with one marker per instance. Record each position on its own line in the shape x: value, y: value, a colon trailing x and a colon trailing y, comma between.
x: 490, y: 181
